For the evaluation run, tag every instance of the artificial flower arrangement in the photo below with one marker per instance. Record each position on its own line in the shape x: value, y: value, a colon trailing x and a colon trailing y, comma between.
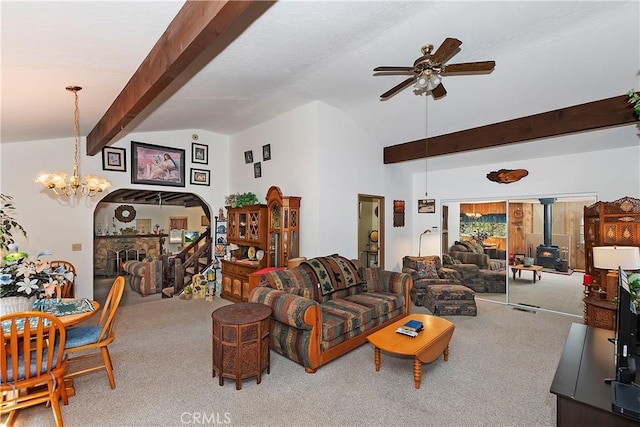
x: 28, y: 277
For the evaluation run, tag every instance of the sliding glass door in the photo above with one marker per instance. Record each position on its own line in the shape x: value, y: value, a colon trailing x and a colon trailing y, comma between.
x: 544, y: 232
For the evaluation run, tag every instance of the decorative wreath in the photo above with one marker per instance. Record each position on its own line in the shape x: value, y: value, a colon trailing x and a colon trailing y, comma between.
x: 125, y: 213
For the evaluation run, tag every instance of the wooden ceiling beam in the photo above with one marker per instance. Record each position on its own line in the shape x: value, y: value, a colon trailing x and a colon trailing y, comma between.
x: 604, y: 113
x: 195, y: 28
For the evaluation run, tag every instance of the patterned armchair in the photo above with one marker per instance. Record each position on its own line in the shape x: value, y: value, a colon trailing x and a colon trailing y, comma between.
x: 145, y: 277
x: 428, y: 271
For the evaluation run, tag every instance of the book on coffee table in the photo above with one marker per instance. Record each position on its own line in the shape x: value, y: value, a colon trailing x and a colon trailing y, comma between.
x: 413, y: 325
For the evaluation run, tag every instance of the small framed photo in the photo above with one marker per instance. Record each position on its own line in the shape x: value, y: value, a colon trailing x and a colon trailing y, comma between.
x: 200, y: 176
x: 426, y: 206
x: 248, y: 156
x: 114, y: 159
x: 199, y: 153
x: 257, y: 170
x: 266, y: 152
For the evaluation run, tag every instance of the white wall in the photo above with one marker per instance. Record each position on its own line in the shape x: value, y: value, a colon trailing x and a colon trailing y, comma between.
x: 54, y: 223
x: 609, y: 174
x: 318, y: 153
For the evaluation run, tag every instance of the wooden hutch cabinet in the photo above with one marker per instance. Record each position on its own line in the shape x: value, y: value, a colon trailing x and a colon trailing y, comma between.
x: 607, y: 224
x: 247, y: 228
x: 283, y: 227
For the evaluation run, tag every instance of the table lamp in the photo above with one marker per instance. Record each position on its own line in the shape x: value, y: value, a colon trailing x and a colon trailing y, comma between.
x: 612, y: 257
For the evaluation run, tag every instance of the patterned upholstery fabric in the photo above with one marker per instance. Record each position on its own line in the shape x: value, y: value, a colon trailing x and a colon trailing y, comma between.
x: 354, y: 306
x: 427, y: 270
x: 145, y: 277
x: 334, y: 273
x: 445, y: 295
x: 447, y: 300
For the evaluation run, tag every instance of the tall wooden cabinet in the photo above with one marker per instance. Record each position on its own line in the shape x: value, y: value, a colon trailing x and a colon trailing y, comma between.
x: 283, y: 228
x: 247, y: 228
x: 607, y: 224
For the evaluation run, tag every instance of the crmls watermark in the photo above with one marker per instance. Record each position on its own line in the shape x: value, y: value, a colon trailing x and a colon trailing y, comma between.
x: 202, y: 418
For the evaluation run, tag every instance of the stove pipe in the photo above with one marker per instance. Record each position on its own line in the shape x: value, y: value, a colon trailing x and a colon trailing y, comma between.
x: 547, y: 219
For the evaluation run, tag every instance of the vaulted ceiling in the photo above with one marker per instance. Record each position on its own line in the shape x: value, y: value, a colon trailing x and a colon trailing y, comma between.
x: 549, y: 55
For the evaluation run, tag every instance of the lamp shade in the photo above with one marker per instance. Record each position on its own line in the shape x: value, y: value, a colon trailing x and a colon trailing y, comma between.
x: 233, y: 247
x: 612, y: 257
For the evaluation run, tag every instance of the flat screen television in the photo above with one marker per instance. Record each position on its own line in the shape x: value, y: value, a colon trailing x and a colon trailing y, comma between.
x: 626, y: 326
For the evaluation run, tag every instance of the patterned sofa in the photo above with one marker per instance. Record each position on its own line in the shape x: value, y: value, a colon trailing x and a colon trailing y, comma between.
x: 328, y: 306
x: 144, y: 277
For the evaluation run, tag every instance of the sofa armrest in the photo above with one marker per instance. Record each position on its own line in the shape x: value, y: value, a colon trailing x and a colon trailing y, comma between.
x: 290, y: 309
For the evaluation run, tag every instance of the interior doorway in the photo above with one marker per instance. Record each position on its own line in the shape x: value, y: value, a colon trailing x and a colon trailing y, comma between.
x: 371, y: 230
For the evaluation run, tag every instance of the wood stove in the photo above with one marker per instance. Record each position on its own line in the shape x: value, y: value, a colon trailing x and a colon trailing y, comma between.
x: 548, y: 255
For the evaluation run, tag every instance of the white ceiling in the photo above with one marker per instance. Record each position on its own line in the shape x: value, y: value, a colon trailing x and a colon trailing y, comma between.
x: 548, y: 55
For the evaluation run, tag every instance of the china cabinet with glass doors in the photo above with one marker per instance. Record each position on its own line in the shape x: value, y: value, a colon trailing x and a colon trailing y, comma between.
x: 283, y: 225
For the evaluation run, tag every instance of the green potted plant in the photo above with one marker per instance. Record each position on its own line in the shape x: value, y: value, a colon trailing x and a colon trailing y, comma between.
x: 634, y: 100
x: 8, y: 225
x: 634, y: 288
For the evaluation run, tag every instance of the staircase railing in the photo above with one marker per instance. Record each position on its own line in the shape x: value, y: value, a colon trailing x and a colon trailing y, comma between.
x: 188, y: 261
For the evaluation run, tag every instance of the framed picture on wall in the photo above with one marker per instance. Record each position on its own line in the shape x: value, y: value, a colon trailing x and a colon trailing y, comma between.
x: 257, y: 170
x: 200, y: 176
x: 114, y: 159
x: 426, y: 206
x: 248, y: 156
x: 199, y: 153
x: 157, y: 165
x: 266, y: 152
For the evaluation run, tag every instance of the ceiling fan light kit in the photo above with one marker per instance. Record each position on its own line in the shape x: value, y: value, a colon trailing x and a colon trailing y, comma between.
x: 429, y: 69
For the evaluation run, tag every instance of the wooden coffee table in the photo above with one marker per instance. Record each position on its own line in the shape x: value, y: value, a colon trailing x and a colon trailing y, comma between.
x: 424, y: 348
x: 537, y: 269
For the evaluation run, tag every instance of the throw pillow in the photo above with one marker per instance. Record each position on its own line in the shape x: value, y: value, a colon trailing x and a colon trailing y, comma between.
x: 447, y: 259
x: 427, y: 270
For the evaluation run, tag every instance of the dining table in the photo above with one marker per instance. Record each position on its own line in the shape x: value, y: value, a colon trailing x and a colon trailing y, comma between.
x: 70, y: 311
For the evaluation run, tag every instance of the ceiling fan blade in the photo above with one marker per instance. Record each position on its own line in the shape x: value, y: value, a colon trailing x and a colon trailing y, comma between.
x: 398, y: 88
x: 439, y: 91
x: 393, y: 69
x: 445, y: 52
x: 469, y: 67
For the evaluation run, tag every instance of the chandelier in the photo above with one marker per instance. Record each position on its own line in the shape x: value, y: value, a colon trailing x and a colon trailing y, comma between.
x: 57, y: 181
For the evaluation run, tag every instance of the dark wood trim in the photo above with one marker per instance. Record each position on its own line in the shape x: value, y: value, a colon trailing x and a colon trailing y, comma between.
x: 199, y: 26
x: 604, y: 113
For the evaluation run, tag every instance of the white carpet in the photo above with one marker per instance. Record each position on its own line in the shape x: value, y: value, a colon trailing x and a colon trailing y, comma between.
x: 499, y: 372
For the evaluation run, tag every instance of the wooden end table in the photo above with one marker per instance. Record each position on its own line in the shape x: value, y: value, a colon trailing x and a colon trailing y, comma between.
x: 537, y: 271
x: 241, y: 341
x: 426, y: 347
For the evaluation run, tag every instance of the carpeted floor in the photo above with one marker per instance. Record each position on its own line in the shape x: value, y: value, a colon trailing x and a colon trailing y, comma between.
x: 500, y: 368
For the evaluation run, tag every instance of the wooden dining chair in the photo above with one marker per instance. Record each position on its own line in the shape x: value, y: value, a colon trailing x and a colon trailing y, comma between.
x: 98, y: 337
x: 67, y: 289
x: 33, y: 356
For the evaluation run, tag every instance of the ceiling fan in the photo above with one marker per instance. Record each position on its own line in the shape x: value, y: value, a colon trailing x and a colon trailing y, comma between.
x: 427, y: 71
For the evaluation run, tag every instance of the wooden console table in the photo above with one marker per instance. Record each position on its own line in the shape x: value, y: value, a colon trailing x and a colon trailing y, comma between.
x: 241, y: 341
x: 583, y: 398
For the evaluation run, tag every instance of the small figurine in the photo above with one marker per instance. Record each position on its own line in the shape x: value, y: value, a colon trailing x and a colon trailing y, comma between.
x: 221, y: 214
